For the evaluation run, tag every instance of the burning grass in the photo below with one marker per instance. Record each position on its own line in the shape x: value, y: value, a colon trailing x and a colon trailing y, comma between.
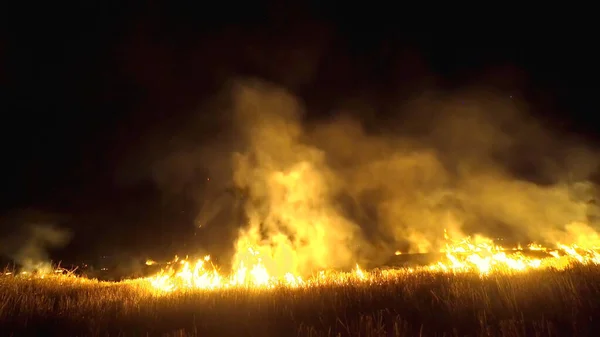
x: 537, y: 303
x: 479, y: 255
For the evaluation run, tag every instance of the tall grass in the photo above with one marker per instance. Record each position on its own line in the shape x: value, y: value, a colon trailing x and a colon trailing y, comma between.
x: 537, y: 303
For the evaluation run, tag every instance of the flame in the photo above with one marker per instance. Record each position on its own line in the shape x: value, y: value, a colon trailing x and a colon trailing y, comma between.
x: 477, y: 255
x: 469, y: 255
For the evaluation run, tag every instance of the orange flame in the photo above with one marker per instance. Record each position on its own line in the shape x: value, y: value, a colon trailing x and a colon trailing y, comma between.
x: 479, y: 255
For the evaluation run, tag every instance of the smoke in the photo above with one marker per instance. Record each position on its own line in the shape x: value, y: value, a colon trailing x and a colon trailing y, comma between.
x: 33, y: 255
x: 292, y: 219
x: 303, y: 195
x: 471, y: 163
x: 35, y: 235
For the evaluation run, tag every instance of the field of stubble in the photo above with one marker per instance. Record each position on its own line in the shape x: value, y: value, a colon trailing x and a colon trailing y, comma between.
x: 536, y: 303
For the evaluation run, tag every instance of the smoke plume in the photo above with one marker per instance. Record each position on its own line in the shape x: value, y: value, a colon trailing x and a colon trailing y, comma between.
x: 304, y: 194
x: 292, y: 218
x: 472, y: 163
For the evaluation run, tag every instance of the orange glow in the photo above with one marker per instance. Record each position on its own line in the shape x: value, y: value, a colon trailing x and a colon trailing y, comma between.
x: 469, y: 255
x: 477, y: 255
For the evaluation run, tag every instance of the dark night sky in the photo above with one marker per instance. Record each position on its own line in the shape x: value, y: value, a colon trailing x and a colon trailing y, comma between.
x: 87, y: 85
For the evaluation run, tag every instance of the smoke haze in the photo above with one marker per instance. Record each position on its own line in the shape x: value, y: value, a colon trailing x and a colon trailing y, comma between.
x: 35, y: 235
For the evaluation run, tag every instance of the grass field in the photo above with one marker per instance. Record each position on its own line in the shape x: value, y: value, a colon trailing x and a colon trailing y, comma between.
x: 535, y: 303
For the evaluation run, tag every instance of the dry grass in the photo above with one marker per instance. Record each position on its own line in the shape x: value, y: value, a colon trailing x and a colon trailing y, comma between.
x: 538, y: 303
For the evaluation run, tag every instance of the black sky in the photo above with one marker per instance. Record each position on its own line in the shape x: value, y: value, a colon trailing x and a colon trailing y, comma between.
x: 86, y: 85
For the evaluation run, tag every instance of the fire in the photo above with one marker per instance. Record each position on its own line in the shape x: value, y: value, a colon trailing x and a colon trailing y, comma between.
x: 470, y: 255
x: 199, y: 275
x: 478, y: 255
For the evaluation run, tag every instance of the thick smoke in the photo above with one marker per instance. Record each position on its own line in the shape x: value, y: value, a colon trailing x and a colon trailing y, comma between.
x: 309, y: 195
x: 470, y: 163
x: 293, y: 221
x: 479, y: 166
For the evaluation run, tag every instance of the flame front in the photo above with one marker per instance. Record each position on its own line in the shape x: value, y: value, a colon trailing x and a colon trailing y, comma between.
x: 478, y: 255
x: 470, y: 255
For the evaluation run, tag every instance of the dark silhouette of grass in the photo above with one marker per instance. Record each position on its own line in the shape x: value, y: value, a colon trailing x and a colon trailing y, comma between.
x: 537, y: 303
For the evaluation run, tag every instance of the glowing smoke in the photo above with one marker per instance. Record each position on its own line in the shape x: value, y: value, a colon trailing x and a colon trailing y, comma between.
x: 293, y: 222
x: 328, y: 194
x: 477, y: 165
